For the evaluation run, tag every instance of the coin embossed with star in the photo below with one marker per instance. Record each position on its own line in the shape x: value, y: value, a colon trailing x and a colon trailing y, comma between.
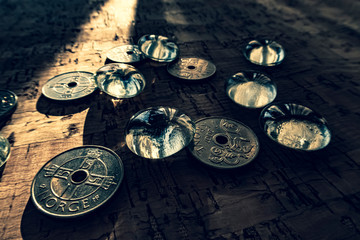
x: 77, y: 181
x: 223, y: 143
x: 191, y: 68
x: 70, y: 86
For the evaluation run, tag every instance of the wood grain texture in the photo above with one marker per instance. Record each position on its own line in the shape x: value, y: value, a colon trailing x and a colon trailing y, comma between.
x: 283, y: 194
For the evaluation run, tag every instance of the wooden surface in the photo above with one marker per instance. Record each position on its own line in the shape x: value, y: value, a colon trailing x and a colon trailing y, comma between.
x: 283, y: 194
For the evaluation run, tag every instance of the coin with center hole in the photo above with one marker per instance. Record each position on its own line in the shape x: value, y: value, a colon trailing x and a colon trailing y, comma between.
x: 8, y: 102
x: 70, y: 86
x: 191, y: 68
x: 125, y: 54
x: 77, y: 181
x: 223, y: 143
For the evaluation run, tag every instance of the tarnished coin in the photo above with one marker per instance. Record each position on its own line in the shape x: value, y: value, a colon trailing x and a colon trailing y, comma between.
x: 224, y: 143
x: 8, y: 102
x: 70, y: 86
x: 191, y: 68
x: 125, y: 54
x: 77, y: 181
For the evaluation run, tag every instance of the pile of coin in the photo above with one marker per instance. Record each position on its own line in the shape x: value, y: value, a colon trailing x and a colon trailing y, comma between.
x: 82, y: 179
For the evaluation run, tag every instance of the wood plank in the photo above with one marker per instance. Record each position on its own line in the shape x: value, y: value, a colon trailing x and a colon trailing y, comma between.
x: 283, y: 194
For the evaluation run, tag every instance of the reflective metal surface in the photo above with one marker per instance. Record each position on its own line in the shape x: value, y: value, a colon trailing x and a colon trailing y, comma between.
x: 158, y: 48
x: 295, y: 126
x: 223, y: 143
x: 159, y: 132
x: 125, y: 54
x: 77, y: 181
x: 120, y: 80
x: 8, y: 102
x: 69, y: 86
x: 264, y: 52
x: 4, y: 151
x: 251, y: 89
x: 191, y: 68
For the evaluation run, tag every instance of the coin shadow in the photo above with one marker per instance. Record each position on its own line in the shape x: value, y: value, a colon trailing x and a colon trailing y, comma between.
x: 61, y: 108
x: 36, y: 225
x: 106, y: 119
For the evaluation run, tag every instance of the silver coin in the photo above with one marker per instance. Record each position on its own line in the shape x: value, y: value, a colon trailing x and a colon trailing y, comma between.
x: 295, y: 126
x: 251, y: 89
x: 264, y: 52
x: 191, y: 68
x: 159, y: 132
x: 223, y: 143
x: 158, y: 48
x: 4, y: 151
x: 70, y: 86
x: 8, y: 102
x: 77, y: 181
x: 120, y: 80
x: 125, y: 54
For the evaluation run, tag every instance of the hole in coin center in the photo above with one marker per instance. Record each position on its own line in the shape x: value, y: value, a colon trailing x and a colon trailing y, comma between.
x: 79, y: 176
x: 130, y: 52
x: 191, y: 67
x: 220, y: 139
x: 72, y: 84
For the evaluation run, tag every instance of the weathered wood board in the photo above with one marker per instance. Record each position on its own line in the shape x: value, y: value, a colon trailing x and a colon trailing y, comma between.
x: 282, y: 194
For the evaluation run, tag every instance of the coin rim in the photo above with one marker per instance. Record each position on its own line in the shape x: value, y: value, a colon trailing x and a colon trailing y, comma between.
x: 8, y: 112
x: 192, y: 79
x: 293, y: 103
x: 39, y: 207
x: 251, y: 71
x: 147, y: 109
x: 158, y: 59
x: 259, y: 64
x: 229, y: 167
x: 68, y: 99
x: 141, y: 56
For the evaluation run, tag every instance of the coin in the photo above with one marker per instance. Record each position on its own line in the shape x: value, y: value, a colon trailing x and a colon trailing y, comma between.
x: 125, y: 54
x: 191, y: 68
x: 77, y: 181
x: 4, y: 152
x: 264, y: 52
x: 223, y: 143
x: 70, y: 86
x: 8, y: 102
x: 159, y: 132
x: 158, y: 48
x: 251, y: 89
x: 120, y: 80
x: 295, y: 126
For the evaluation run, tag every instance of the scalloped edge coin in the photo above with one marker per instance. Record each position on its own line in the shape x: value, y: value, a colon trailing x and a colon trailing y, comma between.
x: 223, y: 143
x: 191, y: 68
x: 70, y: 86
x: 77, y: 181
